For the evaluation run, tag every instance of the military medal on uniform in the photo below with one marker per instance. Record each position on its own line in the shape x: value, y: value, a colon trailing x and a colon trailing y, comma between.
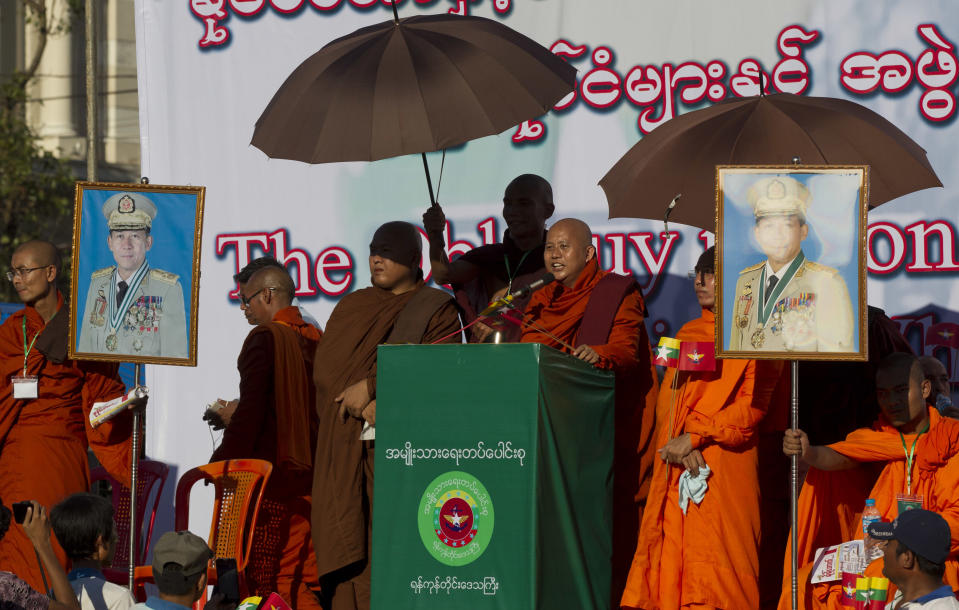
x: 768, y: 303
x: 120, y: 315
x: 745, y: 303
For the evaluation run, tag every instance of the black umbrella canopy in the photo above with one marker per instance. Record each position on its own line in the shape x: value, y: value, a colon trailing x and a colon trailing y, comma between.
x: 414, y: 85
x: 680, y: 156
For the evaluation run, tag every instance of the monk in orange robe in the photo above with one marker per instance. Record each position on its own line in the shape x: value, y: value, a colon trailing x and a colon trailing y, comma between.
x: 275, y: 421
x: 844, y: 474
x: 398, y: 308
x: 601, y: 317
x: 44, y: 440
x: 709, y: 556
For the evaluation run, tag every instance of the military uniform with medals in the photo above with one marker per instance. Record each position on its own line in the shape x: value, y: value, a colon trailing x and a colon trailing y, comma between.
x: 808, y: 308
x: 142, y: 315
x: 812, y: 312
x: 151, y: 320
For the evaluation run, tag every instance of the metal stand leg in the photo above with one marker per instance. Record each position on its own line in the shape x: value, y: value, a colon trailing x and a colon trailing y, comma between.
x: 794, y: 487
x: 134, y: 472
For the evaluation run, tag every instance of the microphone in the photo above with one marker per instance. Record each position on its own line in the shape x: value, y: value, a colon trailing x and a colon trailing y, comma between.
x: 517, y: 294
x: 534, y: 285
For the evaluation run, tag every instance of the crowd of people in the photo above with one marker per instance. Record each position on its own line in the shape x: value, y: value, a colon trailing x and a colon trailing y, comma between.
x: 696, y: 453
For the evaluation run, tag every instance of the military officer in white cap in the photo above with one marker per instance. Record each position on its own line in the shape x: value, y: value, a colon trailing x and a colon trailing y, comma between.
x: 787, y: 302
x: 132, y: 309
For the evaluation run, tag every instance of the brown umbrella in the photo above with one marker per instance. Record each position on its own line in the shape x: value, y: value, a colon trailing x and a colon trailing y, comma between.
x: 680, y: 157
x: 411, y: 85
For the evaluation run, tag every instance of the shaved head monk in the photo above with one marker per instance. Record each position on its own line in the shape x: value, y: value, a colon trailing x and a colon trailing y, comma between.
x: 45, y: 403
x: 487, y: 272
x: 274, y: 420
x: 916, y: 449
x: 398, y: 308
x: 599, y: 317
x: 940, y: 393
x: 705, y: 555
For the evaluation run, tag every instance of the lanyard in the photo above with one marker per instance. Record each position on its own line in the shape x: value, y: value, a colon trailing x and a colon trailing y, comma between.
x: 27, y: 350
x: 509, y: 272
x: 909, y: 456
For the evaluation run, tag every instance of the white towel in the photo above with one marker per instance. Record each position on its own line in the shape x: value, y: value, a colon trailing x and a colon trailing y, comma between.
x: 692, y: 487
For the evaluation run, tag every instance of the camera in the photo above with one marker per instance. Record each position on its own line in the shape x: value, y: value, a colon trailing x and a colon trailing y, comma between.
x: 20, y: 510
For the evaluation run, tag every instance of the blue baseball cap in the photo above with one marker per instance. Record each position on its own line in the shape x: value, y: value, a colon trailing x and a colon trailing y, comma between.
x: 925, y: 533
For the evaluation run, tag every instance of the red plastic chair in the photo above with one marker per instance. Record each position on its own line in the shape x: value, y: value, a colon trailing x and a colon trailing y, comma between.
x: 239, y: 486
x: 151, y: 479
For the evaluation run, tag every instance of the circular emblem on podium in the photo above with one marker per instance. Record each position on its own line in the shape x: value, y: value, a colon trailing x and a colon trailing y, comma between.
x: 455, y: 518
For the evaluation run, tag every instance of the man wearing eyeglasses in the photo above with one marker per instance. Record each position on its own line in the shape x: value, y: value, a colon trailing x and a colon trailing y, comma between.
x: 132, y: 308
x: 275, y: 420
x: 45, y: 400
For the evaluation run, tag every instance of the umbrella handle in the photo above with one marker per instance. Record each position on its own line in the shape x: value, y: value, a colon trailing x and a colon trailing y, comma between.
x: 429, y: 182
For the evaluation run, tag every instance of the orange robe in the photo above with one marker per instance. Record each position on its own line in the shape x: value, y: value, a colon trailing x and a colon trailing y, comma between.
x: 708, y: 557
x: 275, y: 421
x: 627, y: 352
x: 43, y: 441
x: 831, y: 503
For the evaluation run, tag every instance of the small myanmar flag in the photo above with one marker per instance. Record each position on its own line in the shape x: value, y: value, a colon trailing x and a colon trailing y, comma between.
x: 667, y: 354
x: 697, y: 356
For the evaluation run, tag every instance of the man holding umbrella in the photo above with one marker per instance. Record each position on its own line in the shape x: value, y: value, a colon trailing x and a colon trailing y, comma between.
x: 484, y: 273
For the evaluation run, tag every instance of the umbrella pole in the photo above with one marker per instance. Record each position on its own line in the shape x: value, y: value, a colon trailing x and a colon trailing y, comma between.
x: 429, y: 182
x: 794, y: 487
x: 396, y: 16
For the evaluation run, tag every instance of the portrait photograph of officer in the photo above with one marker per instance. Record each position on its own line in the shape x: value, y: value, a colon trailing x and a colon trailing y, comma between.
x: 136, y: 257
x: 791, y: 250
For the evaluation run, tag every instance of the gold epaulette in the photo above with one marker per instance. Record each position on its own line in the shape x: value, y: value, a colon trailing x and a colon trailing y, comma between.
x: 102, y: 272
x: 814, y: 266
x: 755, y: 267
x: 164, y: 276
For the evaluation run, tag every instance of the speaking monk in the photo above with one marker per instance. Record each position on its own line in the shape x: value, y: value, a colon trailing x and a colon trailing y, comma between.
x: 398, y: 308
x: 705, y: 555
x: 917, y: 451
x: 601, y: 316
x: 45, y: 404
x: 274, y: 420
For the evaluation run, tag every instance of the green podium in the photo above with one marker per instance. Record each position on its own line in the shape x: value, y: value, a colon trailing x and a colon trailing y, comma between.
x: 493, y: 479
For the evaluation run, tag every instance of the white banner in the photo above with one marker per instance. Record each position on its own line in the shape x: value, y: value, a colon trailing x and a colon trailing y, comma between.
x: 208, y: 68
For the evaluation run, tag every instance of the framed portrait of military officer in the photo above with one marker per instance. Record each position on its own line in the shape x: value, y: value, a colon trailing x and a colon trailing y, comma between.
x: 791, y: 262
x: 135, y: 273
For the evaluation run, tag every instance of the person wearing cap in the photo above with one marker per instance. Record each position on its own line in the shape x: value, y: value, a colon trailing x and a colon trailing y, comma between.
x: 275, y: 420
x: 599, y: 317
x: 132, y: 308
x: 706, y: 556
x: 44, y: 417
x: 915, y: 452
x: 398, y: 308
x: 787, y: 302
x: 180, y: 561
x: 916, y: 546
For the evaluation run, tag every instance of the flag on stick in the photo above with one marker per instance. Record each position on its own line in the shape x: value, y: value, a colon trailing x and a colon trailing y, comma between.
x: 697, y: 356
x: 667, y: 354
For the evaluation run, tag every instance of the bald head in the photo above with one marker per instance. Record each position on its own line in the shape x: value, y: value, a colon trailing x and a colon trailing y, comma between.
x: 41, y: 251
x: 901, y: 390
x: 938, y: 377
x: 278, y: 280
x: 569, y: 248
x: 527, y: 203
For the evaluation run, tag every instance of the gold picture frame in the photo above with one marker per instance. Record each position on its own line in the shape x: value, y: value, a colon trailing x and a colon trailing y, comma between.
x: 791, y: 262
x: 122, y: 308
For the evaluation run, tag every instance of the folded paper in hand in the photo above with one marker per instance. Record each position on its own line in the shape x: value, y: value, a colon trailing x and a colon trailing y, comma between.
x: 104, y: 411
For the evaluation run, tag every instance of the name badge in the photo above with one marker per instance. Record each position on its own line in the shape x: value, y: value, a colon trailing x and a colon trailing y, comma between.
x: 24, y: 386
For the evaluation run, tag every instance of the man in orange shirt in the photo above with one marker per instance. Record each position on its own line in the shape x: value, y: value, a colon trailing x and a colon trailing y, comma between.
x: 44, y: 439
x: 918, y: 451
x: 707, y: 555
x: 601, y: 316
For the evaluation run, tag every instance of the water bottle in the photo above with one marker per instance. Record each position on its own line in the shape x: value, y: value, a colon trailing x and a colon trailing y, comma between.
x: 870, y: 514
